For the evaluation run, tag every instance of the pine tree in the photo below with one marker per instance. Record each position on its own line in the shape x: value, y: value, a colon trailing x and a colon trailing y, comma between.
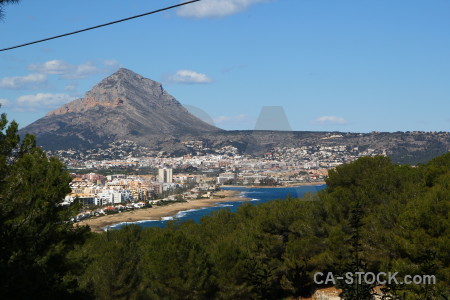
x: 358, y: 289
x: 35, y: 232
x: 2, y: 3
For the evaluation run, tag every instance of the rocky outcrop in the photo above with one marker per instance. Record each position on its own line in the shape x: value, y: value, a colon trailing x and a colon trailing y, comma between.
x: 81, y: 105
x: 332, y: 293
x: 123, y: 106
x: 327, y: 294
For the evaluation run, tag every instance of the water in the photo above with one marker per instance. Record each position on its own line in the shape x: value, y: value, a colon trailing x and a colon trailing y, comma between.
x: 257, y: 196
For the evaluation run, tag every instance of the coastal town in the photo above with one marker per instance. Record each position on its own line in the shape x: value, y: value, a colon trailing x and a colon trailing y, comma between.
x: 122, y: 178
x: 279, y: 162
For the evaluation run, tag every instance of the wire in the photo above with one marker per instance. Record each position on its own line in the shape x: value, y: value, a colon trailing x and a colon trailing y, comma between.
x: 98, y: 26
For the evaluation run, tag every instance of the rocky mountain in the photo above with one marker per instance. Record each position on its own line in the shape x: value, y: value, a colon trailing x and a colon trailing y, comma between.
x: 128, y: 107
x: 123, y: 106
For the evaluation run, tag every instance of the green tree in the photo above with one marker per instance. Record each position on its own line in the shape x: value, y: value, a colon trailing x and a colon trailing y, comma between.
x: 423, y: 246
x: 404, y: 220
x: 356, y: 290
x: 374, y: 216
x: 268, y: 181
x: 35, y: 232
x: 175, y: 265
x: 2, y: 3
x: 113, y: 264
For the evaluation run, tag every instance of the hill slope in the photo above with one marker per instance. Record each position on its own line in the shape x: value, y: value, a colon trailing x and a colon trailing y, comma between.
x: 123, y: 106
x: 127, y: 106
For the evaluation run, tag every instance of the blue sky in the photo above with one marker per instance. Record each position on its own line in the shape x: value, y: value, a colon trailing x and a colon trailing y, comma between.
x: 356, y: 66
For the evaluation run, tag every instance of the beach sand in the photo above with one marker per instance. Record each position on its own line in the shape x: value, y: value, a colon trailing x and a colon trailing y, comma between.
x: 158, y: 212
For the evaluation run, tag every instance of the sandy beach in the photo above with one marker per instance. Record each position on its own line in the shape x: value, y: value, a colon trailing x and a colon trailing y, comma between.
x: 158, y: 212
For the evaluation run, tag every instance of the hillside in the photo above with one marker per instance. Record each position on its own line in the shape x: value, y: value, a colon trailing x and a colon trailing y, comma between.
x: 123, y: 106
x: 127, y: 106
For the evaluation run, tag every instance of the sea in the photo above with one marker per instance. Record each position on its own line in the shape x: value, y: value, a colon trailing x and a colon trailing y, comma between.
x: 257, y: 195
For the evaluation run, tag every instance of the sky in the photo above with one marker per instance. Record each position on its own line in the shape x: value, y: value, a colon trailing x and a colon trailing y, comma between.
x: 327, y: 65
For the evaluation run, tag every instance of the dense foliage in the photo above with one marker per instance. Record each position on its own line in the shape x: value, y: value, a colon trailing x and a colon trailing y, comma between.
x: 35, y: 235
x: 373, y: 216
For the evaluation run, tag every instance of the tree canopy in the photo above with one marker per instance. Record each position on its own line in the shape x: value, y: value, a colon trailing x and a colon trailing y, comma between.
x: 35, y: 232
x: 374, y: 216
x: 2, y: 3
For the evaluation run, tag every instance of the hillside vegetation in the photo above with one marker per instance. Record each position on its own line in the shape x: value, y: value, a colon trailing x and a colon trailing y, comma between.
x: 392, y: 218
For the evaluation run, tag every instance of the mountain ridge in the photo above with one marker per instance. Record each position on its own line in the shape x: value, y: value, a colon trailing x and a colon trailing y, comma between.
x: 128, y: 106
x: 125, y: 105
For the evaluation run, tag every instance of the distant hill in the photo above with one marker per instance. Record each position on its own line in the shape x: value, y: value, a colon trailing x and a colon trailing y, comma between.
x: 127, y: 106
x: 123, y: 106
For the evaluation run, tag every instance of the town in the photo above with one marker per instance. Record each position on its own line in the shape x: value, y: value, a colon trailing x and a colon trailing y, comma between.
x: 125, y: 177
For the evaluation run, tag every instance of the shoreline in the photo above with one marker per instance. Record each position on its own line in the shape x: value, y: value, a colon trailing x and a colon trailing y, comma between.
x: 277, y: 186
x: 158, y: 212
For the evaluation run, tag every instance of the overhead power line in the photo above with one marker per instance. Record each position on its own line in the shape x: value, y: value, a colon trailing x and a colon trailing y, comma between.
x: 98, y: 26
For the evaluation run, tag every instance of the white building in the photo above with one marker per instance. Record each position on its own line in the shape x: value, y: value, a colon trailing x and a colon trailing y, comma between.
x: 165, y: 175
x: 113, y: 197
x: 225, y: 177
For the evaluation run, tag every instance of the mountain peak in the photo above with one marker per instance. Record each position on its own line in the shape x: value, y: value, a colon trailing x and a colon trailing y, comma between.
x: 126, y: 71
x: 123, y: 74
x: 124, y: 87
x: 123, y: 106
x: 124, y: 80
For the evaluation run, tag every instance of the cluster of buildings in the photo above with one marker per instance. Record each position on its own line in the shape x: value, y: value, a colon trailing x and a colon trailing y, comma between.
x: 226, y: 158
x: 96, y: 190
x: 197, y: 176
x: 281, y: 166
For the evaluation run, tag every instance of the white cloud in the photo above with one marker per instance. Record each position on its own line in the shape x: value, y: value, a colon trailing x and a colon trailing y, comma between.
x: 53, y: 67
x: 69, y: 71
x: 187, y: 76
x: 3, y: 102
x: 215, y: 8
x: 70, y: 87
x: 42, y: 100
x: 23, y: 82
x: 82, y: 71
x: 111, y: 63
x: 330, y: 120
